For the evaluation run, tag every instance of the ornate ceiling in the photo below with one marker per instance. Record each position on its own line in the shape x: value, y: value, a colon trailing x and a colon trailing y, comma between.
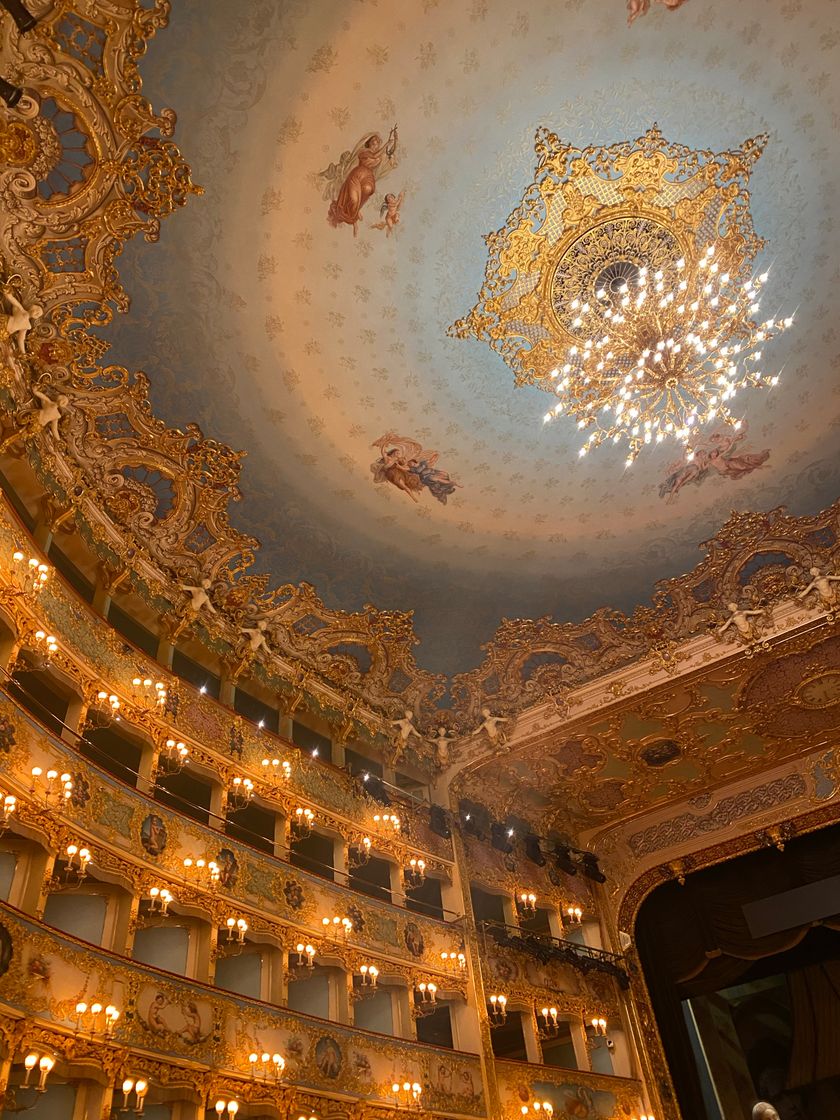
x: 304, y: 342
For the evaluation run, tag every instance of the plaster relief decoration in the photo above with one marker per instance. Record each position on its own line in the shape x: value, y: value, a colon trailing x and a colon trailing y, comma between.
x: 351, y: 181
x: 717, y: 454
x: 409, y: 467
x: 622, y: 285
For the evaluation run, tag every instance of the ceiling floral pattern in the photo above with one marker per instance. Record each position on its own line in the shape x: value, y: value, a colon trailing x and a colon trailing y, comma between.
x: 290, y: 336
x: 303, y: 343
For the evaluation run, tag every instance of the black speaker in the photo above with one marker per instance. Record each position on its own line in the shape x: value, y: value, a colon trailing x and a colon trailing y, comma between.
x: 439, y: 822
x: 475, y: 819
x: 533, y: 851
x: 590, y: 868
x: 499, y: 837
x: 563, y: 858
x: 376, y: 788
x: 10, y: 94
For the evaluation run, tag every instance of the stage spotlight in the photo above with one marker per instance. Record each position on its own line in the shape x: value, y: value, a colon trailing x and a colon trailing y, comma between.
x: 439, y: 822
x: 532, y: 850
x: 475, y: 819
x: 9, y: 93
x: 500, y: 837
x: 590, y: 868
x: 563, y: 857
x: 22, y: 16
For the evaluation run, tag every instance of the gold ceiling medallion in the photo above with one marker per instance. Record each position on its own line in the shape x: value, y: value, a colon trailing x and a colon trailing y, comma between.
x: 622, y: 285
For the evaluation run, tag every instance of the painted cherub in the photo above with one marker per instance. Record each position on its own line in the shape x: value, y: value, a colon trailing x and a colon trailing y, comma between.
x: 636, y: 8
x: 198, y: 596
x: 822, y: 584
x: 47, y: 415
x: 740, y: 619
x: 19, y: 323
x: 389, y: 212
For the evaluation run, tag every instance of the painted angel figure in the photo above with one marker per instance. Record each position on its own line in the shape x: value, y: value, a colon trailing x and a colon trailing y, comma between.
x: 636, y: 8
x: 823, y: 585
x: 405, y: 464
x: 199, y: 598
x: 389, y: 212
x: 349, y: 183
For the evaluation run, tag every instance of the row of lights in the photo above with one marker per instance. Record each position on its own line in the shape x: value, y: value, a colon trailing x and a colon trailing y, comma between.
x: 31, y: 575
x: 96, y: 1017
x: 54, y: 783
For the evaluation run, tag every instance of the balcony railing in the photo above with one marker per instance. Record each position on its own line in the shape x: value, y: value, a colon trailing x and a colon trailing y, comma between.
x: 546, y: 948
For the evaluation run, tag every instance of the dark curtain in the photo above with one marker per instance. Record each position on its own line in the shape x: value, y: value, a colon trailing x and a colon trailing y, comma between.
x: 694, y: 940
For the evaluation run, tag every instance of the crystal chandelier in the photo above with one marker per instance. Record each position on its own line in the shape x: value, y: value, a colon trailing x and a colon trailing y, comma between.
x: 623, y: 284
x: 666, y: 351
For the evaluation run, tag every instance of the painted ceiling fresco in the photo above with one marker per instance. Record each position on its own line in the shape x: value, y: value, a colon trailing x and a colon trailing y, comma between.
x: 354, y: 154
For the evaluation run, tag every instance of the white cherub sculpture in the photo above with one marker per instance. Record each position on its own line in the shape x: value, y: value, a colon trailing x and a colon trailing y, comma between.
x: 441, y: 743
x: 19, y: 322
x: 822, y: 584
x: 47, y: 415
x: 198, y: 595
x: 491, y: 726
x: 406, y: 730
x: 764, y: 1111
x: 740, y: 619
x: 256, y: 636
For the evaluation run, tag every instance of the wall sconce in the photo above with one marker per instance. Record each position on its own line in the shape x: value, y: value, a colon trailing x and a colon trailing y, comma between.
x: 54, y: 784
x: 336, y: 928
x: 454, y: 962
x: 498, y: 1010
x: 206, y: 871
x: 370, y: 975
x: 599, y: 1026
x: 44, y: 1062
x: 301, y: 823
x: 538, y: 1108
x: 95, y: 1018
x: 415, y: 873
x: 574, y: 915
x: 104, y: 710
x: 527, y: 903
x: 550, y: 1026
x: 139, y: 1088
x: 43, y: 651
x: 425, y: 996
x: 76, y: 863
x: 147, y: 693
x: 229, y: 1107
x: 240, y: 793
x: 30, y: 576
x: 276, y: 770
x: 8, y: 810
x: 407, y: 1093
x: 388, y: 820
x: 267, y: 1067
x: 235, y: 929
x: 305, y: 956
x: 159, y: 899
x: 359, y: 853
x: 171, y: 758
